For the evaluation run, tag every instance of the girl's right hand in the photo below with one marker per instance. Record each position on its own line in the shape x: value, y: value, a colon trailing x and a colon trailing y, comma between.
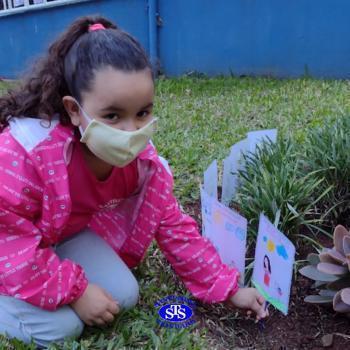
x: 95, y: 307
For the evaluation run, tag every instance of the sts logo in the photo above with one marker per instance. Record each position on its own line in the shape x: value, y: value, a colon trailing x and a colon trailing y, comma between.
x: 176, y: 313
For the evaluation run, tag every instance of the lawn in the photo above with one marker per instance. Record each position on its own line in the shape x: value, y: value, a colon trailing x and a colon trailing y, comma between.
x: 199, y: 119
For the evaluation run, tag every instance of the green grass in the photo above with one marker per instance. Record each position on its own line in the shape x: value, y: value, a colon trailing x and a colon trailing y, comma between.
x: 199, y: 120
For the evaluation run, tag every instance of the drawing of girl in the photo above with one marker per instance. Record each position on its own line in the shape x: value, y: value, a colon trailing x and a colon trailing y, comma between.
x: 267, y: 269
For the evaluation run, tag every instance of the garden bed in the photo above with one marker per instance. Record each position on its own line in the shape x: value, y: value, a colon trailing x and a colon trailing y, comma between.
x: 199, y: 120
x: 303, y: 328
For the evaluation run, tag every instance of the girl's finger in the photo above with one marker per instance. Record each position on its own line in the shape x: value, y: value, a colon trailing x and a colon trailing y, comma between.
x: 108, y: 317
x: 108, y: 295
x: 113, y: 308
x: 261, y: 299
x: 256, y: 307
x: 99, y: 322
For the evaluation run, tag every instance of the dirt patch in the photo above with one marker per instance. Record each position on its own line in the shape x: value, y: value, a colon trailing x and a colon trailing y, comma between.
x: 303, y: 328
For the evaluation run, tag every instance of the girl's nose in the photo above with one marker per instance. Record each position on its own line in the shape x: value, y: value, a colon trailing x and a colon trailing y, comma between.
x: 128, y: 125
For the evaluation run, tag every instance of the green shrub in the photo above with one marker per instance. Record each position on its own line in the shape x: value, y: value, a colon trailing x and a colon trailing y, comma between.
x: 326, y: 152
x: 273, y: 183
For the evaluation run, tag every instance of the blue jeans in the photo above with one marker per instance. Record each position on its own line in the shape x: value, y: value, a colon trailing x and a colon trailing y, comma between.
x: 19, y: 319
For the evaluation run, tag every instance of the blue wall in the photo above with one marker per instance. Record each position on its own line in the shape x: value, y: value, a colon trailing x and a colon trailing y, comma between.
x: 282, y: 38
x: 26, y: 35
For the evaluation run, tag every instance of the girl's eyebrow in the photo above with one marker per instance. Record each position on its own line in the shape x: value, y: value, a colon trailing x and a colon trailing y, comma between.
x: 119, y: 109
x: 148, y: 106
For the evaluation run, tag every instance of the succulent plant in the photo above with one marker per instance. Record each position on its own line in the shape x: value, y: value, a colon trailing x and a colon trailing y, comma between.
x: 330, y: 269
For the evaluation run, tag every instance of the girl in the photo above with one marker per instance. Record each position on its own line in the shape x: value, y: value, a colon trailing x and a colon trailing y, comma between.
x: 83, y: 192
x: 267, y: 271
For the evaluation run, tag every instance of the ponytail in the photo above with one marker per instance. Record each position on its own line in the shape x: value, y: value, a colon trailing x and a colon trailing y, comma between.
x: 68, y: 68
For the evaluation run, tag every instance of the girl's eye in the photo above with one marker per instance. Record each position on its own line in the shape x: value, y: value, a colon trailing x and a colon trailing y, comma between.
x: 143, y: 114
x: 111, y: 117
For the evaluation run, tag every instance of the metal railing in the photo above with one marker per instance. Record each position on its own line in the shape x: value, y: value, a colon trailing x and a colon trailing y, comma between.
x: 12, y: 4
x: 9, y: 7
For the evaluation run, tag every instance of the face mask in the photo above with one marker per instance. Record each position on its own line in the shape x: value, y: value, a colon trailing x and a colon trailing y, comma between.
x: 116, y: 147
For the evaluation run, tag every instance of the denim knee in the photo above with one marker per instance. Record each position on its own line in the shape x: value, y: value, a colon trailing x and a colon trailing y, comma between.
x: 131, y: 293
x: 64, y: 324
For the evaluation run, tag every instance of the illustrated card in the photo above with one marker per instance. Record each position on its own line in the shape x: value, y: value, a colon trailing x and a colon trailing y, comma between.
x: 273, y: 265
x: 227, y: 230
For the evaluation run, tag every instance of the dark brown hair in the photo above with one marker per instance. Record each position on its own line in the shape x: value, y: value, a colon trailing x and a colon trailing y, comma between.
x: 68, y: 69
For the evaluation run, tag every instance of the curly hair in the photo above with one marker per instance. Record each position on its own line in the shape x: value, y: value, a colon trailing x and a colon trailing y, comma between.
x: 69, y: 67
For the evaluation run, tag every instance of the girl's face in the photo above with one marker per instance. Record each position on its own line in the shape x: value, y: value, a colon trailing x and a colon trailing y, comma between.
x: 122, y: 100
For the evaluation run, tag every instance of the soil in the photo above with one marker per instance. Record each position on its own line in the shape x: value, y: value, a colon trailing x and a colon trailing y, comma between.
x: 303, y: 328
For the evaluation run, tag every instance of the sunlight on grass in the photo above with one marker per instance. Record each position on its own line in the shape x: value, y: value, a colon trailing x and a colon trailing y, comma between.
x: 199, y: 119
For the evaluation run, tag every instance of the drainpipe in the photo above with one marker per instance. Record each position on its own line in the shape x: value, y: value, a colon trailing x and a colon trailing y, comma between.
x: 153, y: 33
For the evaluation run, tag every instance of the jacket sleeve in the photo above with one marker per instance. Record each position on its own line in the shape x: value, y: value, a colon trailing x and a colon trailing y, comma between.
x: 193, y: 257
x: 28, y: 270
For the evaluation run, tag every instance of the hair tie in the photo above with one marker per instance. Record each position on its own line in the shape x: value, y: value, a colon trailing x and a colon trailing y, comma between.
x: 96, y: 26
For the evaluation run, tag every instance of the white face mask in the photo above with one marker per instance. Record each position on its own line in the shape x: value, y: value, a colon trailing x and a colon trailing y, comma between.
x: 116, y: 147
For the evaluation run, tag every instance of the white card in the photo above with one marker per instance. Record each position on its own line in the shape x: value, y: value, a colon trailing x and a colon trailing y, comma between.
x: 255, y: 138
x: 211, y: 180
x: 232, y: 164
x: 273, y: 265
x: 227, y: 230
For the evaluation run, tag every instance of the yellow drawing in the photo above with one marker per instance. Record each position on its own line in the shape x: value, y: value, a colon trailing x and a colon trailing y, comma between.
x: 270, y: 246
x: 217, y: 217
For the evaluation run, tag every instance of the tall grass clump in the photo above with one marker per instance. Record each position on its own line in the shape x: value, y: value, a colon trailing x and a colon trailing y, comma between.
x: 327, y: 154
x: 273, y: 182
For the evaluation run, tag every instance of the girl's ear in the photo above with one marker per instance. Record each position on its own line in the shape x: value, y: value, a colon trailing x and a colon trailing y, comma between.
x: 72, y: 109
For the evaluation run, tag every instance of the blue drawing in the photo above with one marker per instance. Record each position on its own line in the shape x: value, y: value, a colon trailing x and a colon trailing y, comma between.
x: 229, y: 227
x: 207, y: 209
x: 232, y: 263
x: 281, y: 251
x: 240, y: 233
x: 265, y: 239
x: 279, y: 290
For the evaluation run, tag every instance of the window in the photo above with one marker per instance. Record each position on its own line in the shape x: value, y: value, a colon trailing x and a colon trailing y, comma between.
x: 14, y: 4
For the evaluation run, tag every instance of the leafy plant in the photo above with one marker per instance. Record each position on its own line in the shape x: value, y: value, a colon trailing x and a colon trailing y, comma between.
x: 326, y: 152
x: 330, y: 269
x: 273, y: 182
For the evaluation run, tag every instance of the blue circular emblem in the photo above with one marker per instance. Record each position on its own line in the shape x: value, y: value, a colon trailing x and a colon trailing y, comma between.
x: 175, y: 312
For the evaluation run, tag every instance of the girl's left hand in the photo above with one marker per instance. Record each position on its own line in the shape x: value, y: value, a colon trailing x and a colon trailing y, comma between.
x: 251, y: 300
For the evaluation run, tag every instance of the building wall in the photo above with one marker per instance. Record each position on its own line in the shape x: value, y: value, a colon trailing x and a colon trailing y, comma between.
x: 280, y: 38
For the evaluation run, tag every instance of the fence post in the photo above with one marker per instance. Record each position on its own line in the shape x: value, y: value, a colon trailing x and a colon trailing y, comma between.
x: 153, y: 34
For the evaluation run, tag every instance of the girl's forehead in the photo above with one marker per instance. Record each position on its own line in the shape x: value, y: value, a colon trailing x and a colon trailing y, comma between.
x: 111, y: 86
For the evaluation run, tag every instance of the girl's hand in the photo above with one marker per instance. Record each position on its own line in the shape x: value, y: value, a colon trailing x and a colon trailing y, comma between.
x: 251, y: 300
x: 95, y: 307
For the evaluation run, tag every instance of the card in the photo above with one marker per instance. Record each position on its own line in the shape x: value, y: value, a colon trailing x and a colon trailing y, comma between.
x: 232, y: 164
x: 227, y: 230
x: 211, y: 180
x: 273, y: 265
x: 255, y: 138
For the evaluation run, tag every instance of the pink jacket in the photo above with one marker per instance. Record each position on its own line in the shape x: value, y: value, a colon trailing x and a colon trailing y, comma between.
x: 35, y: 206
